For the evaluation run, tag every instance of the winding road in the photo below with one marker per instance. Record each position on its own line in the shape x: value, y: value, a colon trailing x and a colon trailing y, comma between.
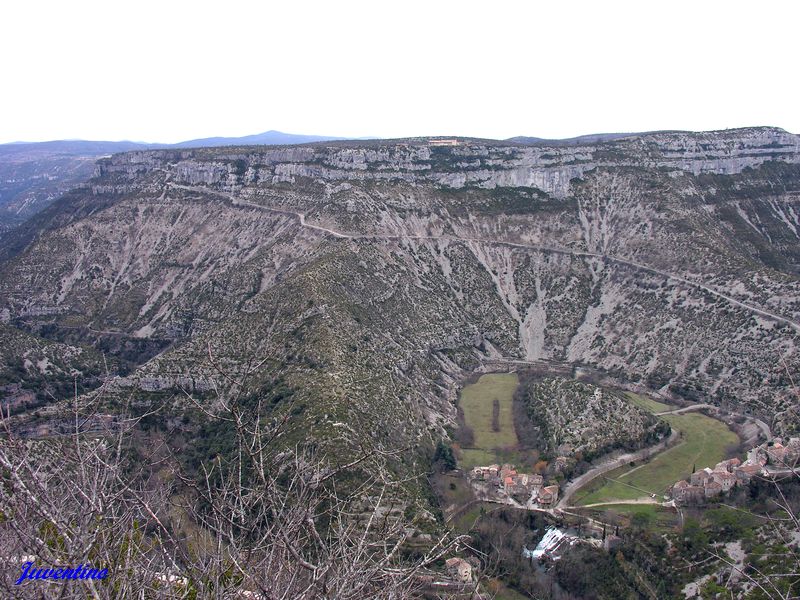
x: 647, y: 500
x: 685, y: 409
x: 762, y: 426
x: 576, y: 253
x: 611, y: 464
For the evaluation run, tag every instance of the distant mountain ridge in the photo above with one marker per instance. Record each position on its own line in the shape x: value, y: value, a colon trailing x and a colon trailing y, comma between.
x: 279, y: 138
x: 267, y: 138
x: 599, y: 138
x: 34, y: 174
x: 70, y: 147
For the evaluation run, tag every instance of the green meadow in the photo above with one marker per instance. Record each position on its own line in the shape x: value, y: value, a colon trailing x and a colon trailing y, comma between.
x: 476, y: 402
x: 704, y: 442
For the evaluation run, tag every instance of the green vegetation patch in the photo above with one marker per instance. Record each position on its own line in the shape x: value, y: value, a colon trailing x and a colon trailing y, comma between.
x: 704, y: 443
x: 633, y: 509
x: 653, y: 516
x: 465, y: 520
x: 647, y: 403
x: 493, y: 432
x: 473, y: 457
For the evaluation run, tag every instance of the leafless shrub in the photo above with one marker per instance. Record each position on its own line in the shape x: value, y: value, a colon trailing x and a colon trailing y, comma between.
x: 263, y: 522
x: 74, y: 501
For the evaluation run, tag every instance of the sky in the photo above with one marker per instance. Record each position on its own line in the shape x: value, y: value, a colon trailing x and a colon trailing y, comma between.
x: 170, y: 70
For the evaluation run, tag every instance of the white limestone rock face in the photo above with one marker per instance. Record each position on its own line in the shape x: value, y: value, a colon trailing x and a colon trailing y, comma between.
x: 373, y: 272
x: 549, y: 168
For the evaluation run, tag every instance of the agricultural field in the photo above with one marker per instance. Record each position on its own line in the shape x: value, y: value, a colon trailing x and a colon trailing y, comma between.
x: 647, y: 403
x: 705, y: 442
x: 477, y: 403
x: 465, y: 520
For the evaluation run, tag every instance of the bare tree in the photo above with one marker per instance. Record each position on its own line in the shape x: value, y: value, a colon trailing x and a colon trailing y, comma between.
x: 782, y: 525
x: 267, y: 520
x: 72, y: 502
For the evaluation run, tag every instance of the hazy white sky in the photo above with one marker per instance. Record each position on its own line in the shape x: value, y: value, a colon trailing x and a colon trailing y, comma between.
x: 169, y: 70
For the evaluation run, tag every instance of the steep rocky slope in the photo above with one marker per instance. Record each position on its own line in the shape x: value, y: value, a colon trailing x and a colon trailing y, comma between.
x: 367, y: 275
x: 35, y: 371
x: 33, y: 175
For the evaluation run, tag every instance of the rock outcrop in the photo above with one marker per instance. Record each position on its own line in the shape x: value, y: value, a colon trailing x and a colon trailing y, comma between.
x: 367, y: 275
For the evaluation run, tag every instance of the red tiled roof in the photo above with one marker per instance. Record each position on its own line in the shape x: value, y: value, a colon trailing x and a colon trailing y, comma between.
x: 750, y: 469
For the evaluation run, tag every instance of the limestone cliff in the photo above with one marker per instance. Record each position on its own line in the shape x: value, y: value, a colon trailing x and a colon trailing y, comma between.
x: 368, y: 274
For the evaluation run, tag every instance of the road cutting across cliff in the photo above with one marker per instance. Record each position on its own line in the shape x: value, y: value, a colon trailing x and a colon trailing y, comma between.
x: 301, y: 218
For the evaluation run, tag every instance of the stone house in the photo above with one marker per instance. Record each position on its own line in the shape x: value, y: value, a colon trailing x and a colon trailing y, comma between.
x: 727, y: 465
x: 444, y: 142
x: 459, y: 569
x: 685, y: 493
x: 548, y: 495
x: 485, y: 473
x: 701, y: 477
x: 694, y: 494
x: 678, y: 491
x: 756, y: 456
x: 494, y: 481
x: 679, y: 486
x: 507, y: 471
x: 522, y: 484
x: 725, y: 479
x: 712, y: 488
x: 777, y: 454
x: 746, y: 472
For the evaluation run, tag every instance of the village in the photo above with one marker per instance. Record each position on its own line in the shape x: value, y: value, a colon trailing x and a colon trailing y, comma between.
x: 769, y: 458
x: 505, y: 485
x: 573, y: 520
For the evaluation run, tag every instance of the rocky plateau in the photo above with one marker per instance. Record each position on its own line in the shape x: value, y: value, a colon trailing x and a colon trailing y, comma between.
x: 368, y: 277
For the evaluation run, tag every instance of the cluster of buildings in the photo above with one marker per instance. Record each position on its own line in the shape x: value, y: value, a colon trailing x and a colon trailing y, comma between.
x: 776, y: 454
x: 444, y: 142
x: 708, y: 483
x: 503, y: 482
x: 725, y: 475
x: 769, y: 457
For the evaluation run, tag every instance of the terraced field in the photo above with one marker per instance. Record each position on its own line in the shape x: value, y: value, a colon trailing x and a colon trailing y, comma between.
x: 477, y: 403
